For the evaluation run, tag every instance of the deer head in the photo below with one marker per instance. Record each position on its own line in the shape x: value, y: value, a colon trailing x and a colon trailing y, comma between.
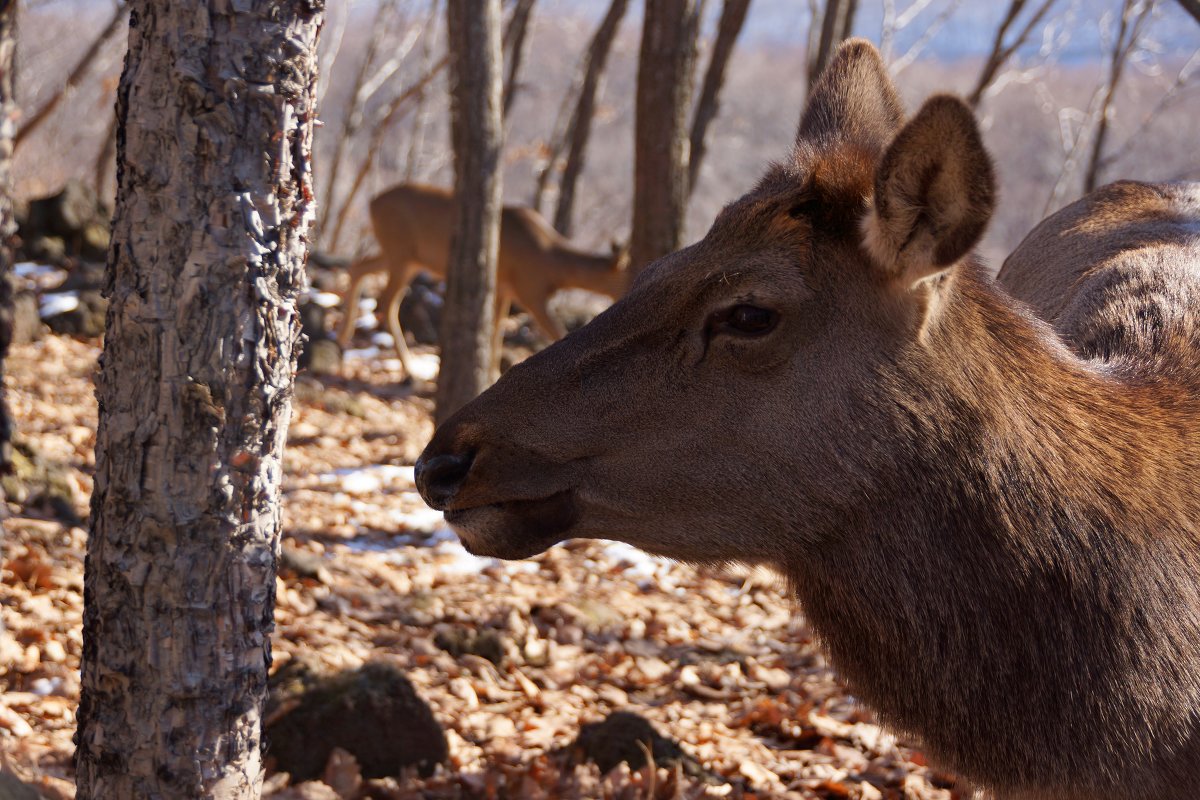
x: 712, y: 414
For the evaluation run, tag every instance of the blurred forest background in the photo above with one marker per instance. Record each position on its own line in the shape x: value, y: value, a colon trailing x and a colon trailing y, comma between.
x: 385, y: 121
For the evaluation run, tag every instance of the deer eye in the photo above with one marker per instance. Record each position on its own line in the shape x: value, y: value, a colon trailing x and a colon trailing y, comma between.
x: 746, y: 320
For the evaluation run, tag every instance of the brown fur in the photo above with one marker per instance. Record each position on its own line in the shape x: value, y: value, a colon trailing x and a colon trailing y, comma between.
x: 413, y: 225
x: 990, y: 517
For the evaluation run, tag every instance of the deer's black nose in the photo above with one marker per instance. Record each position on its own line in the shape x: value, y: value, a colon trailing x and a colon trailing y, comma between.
x: 440, y: 477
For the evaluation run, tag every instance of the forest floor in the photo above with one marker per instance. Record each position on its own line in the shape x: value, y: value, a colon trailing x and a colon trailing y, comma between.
x: 512, y: 658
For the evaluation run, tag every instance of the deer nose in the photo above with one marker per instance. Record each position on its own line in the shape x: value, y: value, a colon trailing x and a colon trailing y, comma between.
x: 440, y: 477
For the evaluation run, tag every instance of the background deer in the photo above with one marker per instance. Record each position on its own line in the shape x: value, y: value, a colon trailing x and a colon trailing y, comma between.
x: 413, y: 226
x: 991, y: 518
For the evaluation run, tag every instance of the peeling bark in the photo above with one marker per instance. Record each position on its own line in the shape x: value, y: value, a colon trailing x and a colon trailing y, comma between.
x: 214, y: 205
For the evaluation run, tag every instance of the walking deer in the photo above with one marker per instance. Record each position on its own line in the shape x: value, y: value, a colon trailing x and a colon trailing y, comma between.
x: 985, y: 499
x: 413, y: 225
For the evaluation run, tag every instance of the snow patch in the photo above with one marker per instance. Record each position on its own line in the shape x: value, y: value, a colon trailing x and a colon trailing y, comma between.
x: 32, y: 269
x: 324, y: 299
x: 58, y: 303
x: 425, y: 366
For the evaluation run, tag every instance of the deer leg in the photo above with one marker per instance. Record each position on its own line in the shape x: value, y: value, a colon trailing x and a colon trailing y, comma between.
x: 503, y: 304
x: 389, y: 304
x: 549, y: 326
x: 359, y: 271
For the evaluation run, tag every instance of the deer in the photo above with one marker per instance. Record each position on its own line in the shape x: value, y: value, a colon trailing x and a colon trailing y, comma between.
x: 413, y: 225
x: 982, y: 493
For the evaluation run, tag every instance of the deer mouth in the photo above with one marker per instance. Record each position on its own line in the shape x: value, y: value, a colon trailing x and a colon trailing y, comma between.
x: 514, y: 529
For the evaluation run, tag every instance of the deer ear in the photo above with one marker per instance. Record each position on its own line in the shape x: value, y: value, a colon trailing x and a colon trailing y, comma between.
x: 934, y: 193
x: 854, y: 100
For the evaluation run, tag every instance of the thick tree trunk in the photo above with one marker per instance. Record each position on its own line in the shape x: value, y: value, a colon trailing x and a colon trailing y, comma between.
x: 214, y: 205
x: 733, y: 16
x: 8, y: 224
x: 473, y: 29
x: 664, y: 89
x: 580, y: 129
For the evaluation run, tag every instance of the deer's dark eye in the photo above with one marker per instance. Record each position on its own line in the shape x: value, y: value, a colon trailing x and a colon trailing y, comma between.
x: 746, y: 320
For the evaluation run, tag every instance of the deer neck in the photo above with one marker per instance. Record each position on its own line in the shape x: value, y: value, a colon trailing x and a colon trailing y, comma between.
x: 1022, y: 566
x: 576, y: 269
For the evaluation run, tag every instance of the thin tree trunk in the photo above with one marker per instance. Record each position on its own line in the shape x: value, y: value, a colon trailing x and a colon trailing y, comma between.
x: 468, y: 316
x: 518, y: 31
x: 830, y: 19
x: 1192, y: 7
x: 580, y: 128
x: 214, y: 207
x: 661, y: 144
x: 104, y: 158
x: 1129, y: 31
x: 76, y: 75
x: 8, y: 224
x: 733, y: 15
x: 416, y: 139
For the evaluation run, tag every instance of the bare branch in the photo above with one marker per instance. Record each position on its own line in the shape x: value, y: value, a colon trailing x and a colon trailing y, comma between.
x: 1002, y: 52
x: 390, y: 114
x: 1134, y: 16
x: 416, y: 138
x: 733, y: 16
x: 1171, y: 93
x: 914, y: 52
x: 115, y: 23
x: 581, y: 120
x: 518, y: 28
x: 1192, y: 7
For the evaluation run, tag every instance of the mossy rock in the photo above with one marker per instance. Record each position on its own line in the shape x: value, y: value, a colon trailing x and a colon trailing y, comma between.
x: 38, y: 484
x: 624, y: 736
x: 372, y: 712
x: 460, y: 640
x: 87, y: 319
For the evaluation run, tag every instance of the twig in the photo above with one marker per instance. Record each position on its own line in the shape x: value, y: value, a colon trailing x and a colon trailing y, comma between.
x: 76, y: 75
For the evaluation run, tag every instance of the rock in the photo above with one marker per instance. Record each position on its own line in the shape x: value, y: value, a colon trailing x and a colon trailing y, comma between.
x: 373, y: 713
x: 40, y: 485
x: 86, y: 319
x: 75, y: 216
x: 84, y: 276
x: 320, y: 357
x: 460, y: 640
x: 27, y: 324
x: 303, y: 564
x: 13, y: 788
x: 420, y: 310
x: 46, y: 250
x: 621, y: 736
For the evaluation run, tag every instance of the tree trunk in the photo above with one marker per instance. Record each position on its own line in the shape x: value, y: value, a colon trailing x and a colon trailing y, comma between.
x: 518, y: 30
x: 580, y: 128
x: 468, y: 317
x: 214, y: 206
x: 733, y: 15
x: 837, y: 23
x: 8, y: 224
x: 661, y: 144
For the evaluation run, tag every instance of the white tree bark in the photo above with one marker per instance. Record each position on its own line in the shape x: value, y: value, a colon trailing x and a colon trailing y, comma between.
x: 214, y: 204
